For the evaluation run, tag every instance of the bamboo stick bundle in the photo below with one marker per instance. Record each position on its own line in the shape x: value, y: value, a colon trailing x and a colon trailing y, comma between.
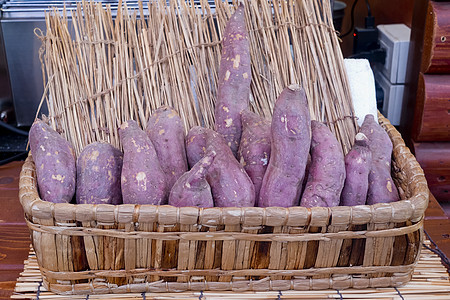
x: 106, y: 67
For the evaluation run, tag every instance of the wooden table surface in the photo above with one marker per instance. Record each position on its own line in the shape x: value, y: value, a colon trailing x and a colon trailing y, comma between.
x: 15, y: 240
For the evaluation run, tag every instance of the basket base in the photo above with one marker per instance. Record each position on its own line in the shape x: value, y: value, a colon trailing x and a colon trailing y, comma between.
x: 429, y: 281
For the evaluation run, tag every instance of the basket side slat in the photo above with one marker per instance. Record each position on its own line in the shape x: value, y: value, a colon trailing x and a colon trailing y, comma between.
x: 170, y: 253
x: 275, y: 253
x: 62, y: 252
x: 99, y: 241
x: 210, y: 255
x: 369, y: 252
x: 229, y: 252
x: 399, y: 248
x: 143, y: 247
x: 158, y: 253
x: 384, y: 250
x: 118, y: 250
x: 284, y: 251
x: 244, y: 250
x: 130, y: 249
x: 183, y: 254
x: 414, y: 241
x: 248, y: 250
x: 240, y: 252
x: 108, y: 251
x: 36, y: 241
x: 65, y: 245
x: 311, y: 249
x: 325, y: 251
x: 335, y: 246
x: 90, y: 248
x: 294, y: 250
x: 301, y: 254
x: 192, y: 250
x: 48, y: 248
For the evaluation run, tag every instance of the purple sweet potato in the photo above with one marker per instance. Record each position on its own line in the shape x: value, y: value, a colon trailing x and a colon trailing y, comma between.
x: 381, y: 186
x: 357, y: 167
x: 166, y: 131
x: 230, y: 184
x: 327, y: 172
x: 291, y: 139
x: 55, y: 163
x: 192, y: 189
x: 254, y: 150
x: 195, y: 144
x: 143, y: 180
x: 99, y: 167
x: 234, y: 80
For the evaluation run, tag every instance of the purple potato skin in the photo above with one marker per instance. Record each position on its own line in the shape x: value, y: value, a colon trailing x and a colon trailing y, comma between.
x: 55, y: 163
x: 143, y: 180
x: 230, y: 184
x: 291, y: 138
x: 195, y: 145
x: 166, y: 131
x: 381, y: 186
x: 99, y: 168
x: 234, y: 80
x: 327, y: 172
x: 254, y: 150
x: 357, y: 167
x: 192, y: 188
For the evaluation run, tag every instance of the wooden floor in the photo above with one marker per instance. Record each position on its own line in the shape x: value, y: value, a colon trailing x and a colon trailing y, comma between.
x: 14, y: 234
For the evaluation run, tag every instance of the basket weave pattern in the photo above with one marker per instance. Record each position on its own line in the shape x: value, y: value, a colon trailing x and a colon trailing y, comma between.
x: 143, y: 248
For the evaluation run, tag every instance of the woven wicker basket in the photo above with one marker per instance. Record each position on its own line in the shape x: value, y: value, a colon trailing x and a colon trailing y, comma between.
x: 142, y: 248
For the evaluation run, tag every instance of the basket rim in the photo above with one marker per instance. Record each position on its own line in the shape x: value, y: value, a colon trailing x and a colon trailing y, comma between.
x: 411, y: 209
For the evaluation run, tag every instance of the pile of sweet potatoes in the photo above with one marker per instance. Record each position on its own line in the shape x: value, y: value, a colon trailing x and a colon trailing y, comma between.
x: 245, y: 161
x: 289, y: 161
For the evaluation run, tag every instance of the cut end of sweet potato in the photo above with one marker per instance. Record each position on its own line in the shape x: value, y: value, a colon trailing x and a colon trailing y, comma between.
x: 361, y: 137
x: 124, y: 125
x: 295, y: 87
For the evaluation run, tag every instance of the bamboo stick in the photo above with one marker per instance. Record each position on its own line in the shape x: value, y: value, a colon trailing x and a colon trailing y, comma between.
x: 108, y: 71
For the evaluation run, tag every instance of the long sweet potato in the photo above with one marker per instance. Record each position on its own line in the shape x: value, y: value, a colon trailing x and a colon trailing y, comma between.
x: 327, y: 172
x: 291, y: 138
x: 381, y: 186
x: 234, y: 80
x: 99, y: 167
x: 55, y: 163
x: 230, y: 184
x: 254, y: 150
x: 192, y: 189
x: 357, y: 167
x: 166, y: 131
x: 143, y: 180
x: 195, y: 144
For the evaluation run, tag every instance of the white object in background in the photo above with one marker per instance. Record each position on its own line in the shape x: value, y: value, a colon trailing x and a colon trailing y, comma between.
x: 362, y: 88
x: 393, y: 98
x: 395, y: 39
